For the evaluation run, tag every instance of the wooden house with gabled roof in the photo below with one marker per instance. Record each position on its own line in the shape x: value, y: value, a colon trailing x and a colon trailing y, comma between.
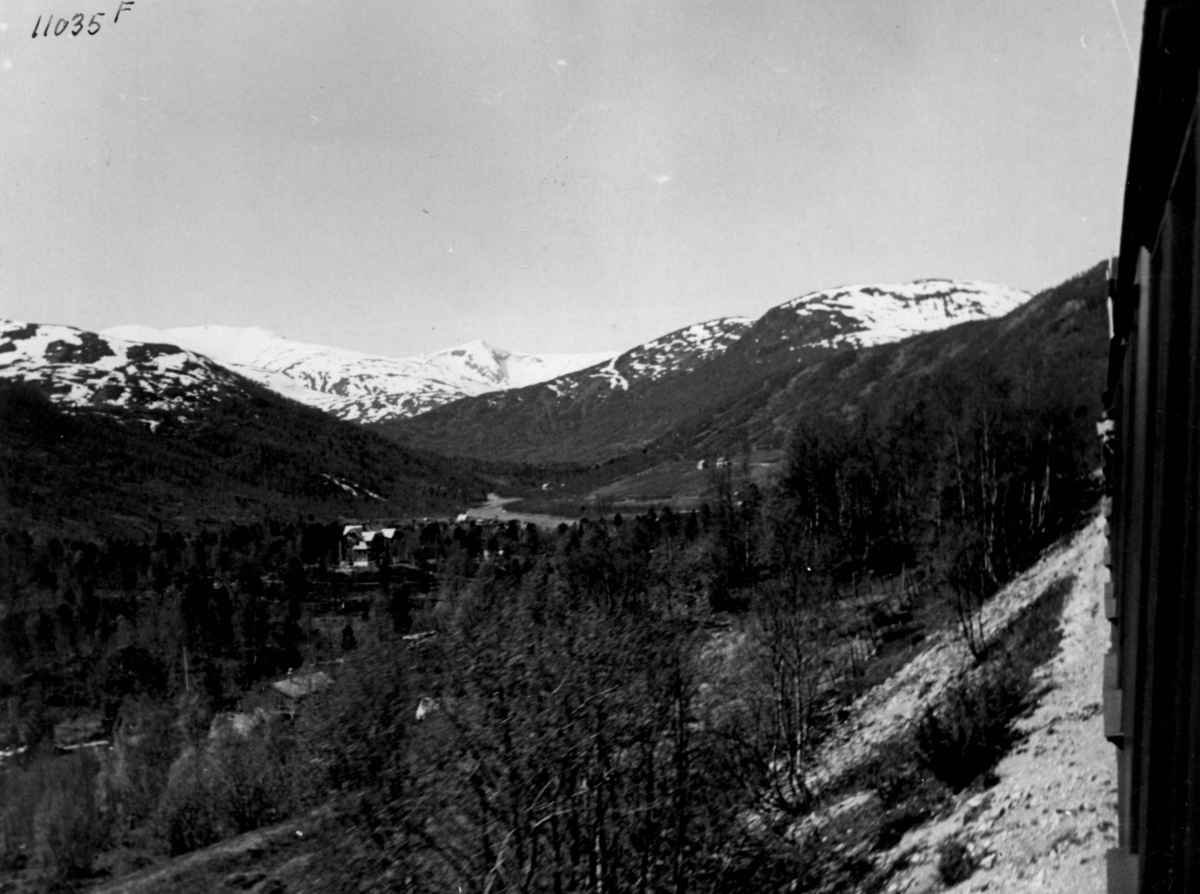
x: 362, y: 548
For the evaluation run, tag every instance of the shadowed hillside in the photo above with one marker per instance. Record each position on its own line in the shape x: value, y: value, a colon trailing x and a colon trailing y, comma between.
x: 104, y: 471
x: 1054, y: 346
x: 760, y: 386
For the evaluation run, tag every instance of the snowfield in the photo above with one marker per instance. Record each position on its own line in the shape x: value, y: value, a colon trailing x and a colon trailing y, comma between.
x: 875, y: 314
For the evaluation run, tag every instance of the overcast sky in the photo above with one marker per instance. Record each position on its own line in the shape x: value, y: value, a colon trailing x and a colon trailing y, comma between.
x: 406, y: 175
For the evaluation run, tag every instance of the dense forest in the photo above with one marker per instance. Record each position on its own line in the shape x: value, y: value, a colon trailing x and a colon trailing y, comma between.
x: 65, y: 472
x: 618, y: 704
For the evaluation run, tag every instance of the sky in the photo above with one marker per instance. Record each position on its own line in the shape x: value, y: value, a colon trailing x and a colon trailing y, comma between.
x: 399, y: 176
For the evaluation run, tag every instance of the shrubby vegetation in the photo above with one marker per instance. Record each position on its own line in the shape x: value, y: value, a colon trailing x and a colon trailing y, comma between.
x: 966, y: 735
x: 955, y: 862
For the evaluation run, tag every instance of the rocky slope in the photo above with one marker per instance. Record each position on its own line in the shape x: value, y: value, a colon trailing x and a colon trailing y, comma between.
x: 1051, y: 816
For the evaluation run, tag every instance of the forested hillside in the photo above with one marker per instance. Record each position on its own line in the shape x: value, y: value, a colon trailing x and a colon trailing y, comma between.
x: 1051, y: 351
x: 76, y: 472
x: 756, y: 391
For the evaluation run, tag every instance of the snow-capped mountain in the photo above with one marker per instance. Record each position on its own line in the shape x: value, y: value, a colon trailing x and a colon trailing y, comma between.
x: 86, y: 370
x: 362, y: 387
x: 686, y: 380
x: 863, y: 316
x: 141, y: 433
x: 590, y: 400
x: 676, y: 352
x: 848, y: 316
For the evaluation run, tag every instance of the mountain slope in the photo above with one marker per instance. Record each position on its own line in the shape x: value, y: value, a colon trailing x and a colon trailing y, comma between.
x: 100, y: 434
x: 82, y: 369
x: 1046, y: 817
x: 1056, y: 344
x: 670, y: 355
x: 362, y: 387
x: 630, y: 403
x: 1049, y: 356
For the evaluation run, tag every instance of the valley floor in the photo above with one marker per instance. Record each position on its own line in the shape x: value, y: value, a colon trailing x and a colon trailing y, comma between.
x: 493, y: 510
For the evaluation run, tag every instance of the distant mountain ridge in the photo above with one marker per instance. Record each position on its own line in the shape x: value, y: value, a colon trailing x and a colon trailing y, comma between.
x: 640, y: 396
x: 480, y: 401
x: 362, y: 387
x: 368, y: 388
x: 868, y: 315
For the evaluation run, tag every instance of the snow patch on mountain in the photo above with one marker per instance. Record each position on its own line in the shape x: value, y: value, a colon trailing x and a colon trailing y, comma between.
x: 350, y: 487
x: 615, y: 379
x: 700, y: 341
x: 511, y: 369
x: 867, y: 315
x: 363, y: 387
x: 675, y: 352
x: 85, y: 370
x: 858, y: 316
